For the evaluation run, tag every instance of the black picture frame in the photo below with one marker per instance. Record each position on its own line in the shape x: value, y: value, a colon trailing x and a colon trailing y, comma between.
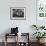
x: 17, y: 13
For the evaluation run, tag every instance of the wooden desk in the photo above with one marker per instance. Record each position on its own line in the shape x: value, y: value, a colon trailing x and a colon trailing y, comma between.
x: 17, y: 43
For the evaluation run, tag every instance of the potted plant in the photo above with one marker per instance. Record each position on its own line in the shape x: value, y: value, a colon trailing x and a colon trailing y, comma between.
x: 39, y: 35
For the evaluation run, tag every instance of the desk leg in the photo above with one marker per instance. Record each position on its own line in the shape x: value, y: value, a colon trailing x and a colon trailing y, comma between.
x: 5, y: 40
x: 17, y: 40
x: 5, y: 43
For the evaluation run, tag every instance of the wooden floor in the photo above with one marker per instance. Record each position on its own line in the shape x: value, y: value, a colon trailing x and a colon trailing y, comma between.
x: 13, y: 44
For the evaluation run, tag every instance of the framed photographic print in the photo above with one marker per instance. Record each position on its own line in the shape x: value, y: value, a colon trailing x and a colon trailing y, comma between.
x: 17, y: 13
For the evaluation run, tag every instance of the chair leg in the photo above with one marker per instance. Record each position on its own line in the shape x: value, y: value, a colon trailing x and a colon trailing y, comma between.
x: 5, y: 43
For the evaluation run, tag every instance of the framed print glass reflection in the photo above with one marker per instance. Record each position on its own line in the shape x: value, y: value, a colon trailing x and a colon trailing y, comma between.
x: 18, y: 13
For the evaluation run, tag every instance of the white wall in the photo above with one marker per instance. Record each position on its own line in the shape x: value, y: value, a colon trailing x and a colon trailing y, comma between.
x: 24, y: 25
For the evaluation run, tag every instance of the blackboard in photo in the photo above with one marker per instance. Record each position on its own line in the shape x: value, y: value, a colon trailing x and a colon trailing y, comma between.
x: 17, y: 13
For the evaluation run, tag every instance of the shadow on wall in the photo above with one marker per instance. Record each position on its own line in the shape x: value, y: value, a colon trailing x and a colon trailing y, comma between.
x: 7, y: 31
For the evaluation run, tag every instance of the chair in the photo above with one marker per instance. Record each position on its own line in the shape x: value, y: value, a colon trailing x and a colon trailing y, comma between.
x: 14, y: 32
x: 7, y: 35
x: 25, y: 37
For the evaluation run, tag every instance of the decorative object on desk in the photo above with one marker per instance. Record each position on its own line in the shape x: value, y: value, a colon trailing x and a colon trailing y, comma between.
x: 14, y: 30
x: 17, y: 13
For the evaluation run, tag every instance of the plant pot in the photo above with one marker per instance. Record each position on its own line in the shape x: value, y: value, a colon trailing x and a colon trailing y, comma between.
x: 40, y: 40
